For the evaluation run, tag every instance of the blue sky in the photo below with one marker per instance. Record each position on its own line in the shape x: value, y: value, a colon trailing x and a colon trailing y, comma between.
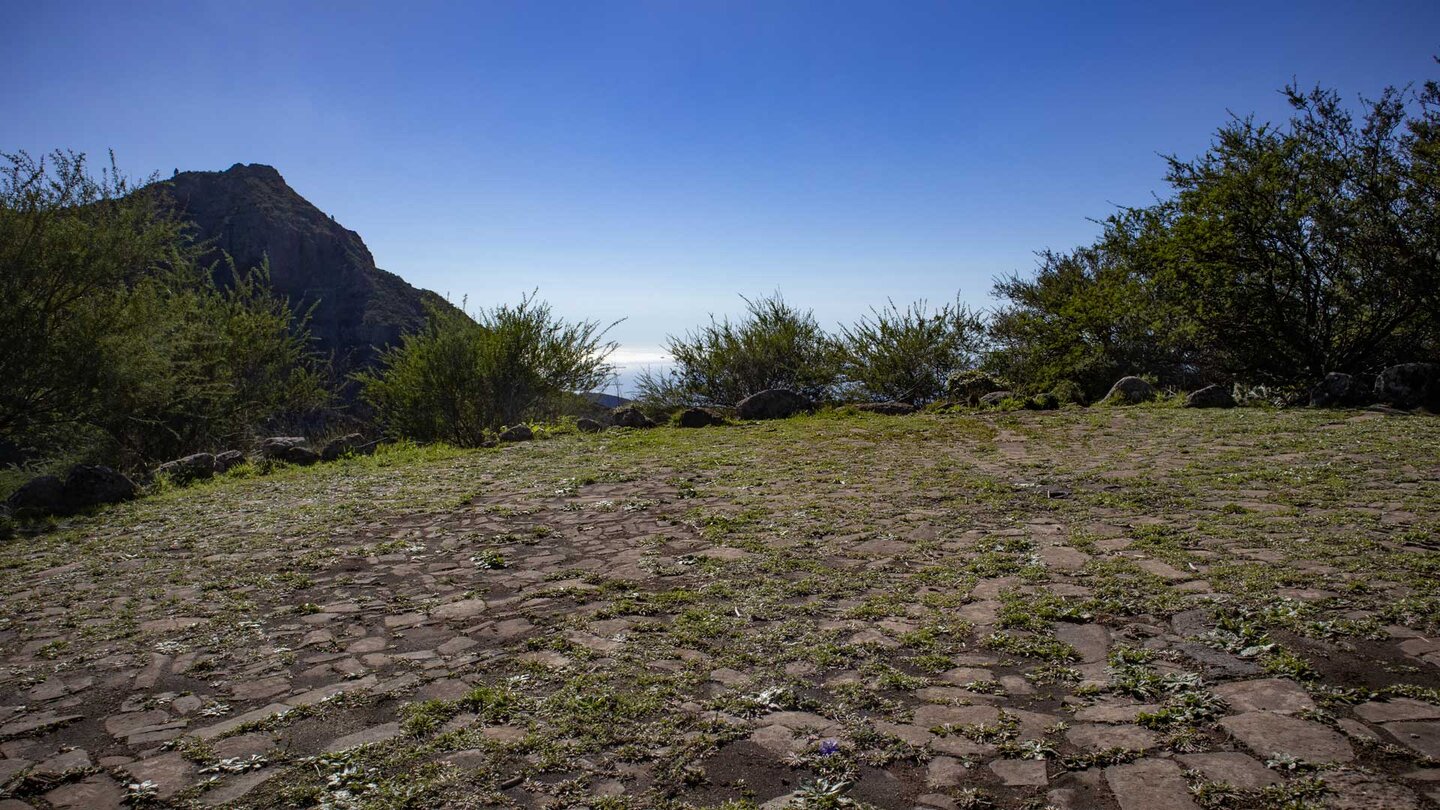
x: 657, y: 159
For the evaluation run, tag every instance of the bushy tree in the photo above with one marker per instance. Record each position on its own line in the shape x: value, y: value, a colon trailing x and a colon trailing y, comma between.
x: 460, y: 379
x: 907, y: 354
x: 119, y: 346
x: 1309, y: 248
x: 775, y: 345
x: 1284, y: 253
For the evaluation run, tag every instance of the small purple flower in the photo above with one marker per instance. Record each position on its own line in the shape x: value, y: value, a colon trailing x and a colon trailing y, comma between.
x: 829, y: 748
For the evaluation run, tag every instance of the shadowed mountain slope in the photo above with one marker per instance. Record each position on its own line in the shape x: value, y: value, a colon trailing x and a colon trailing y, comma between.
x: 250, y: 212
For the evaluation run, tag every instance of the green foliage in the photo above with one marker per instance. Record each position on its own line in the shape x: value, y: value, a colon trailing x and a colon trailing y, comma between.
x: 969, y: 386
x: 119, y: 346
x: 1285, y: 252
x: 460, y: 379
x: 775, y: 346
x: 908, y: 355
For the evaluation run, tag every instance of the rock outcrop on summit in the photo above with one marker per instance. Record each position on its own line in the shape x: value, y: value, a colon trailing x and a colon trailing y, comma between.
x: 249, y: 212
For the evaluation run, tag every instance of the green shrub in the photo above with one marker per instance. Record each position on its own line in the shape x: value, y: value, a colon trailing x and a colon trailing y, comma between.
x: 908, y: 355
x: 460, y: 379
x: 969, y: 386
x: 119, y: 345
x: 774, y: 346
x: 1068, y: 392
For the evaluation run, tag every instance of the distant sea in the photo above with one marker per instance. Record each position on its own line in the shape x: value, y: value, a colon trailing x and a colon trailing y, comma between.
x: 629, y: 363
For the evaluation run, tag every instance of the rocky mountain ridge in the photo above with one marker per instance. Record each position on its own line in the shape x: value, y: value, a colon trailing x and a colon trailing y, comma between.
x: 250, y: 212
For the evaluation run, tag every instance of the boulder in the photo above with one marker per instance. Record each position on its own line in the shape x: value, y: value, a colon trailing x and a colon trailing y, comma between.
x: 519, y: 433
x: 230, y: 458
x: 772, y: 403
x: 1130, y: 391
x: 699, y: 418
x: 195, y: 467
x: 588, y: 425
x: 631, y: 417
x: 276, y: 446
x: 349, y: 444
x: 994, y: 398
x: 87, y: 486
x: 1211, y: 396
x: 1339, y: 390
x: 288, y: 448
x: 42, y: 495
x: 1410, y: 385
x: 891, y: 408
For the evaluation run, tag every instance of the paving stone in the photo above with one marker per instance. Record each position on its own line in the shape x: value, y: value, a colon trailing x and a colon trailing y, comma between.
x: 35, y: 722
x: 1424, y: 737
x: 10, y: 767
x: 62, y: 763
x: 1231, y: 767
x: 1269, y: 733
x: 94, y: 793
x: 237, y: 787
x: 945, y: 772
x: 325, y: 692
x: 261, y: 689
x: 1020, y: 772
x: 931, y: 715
x: 227, y: 726
x: 1149, y: 784
x: 374, y: 734
x: 1359, y: 791
x: 171, y: 773
x: 1387, y: 711
x: 1114, y: 712
x: 1098, y: 737
x: 1092, y: 641
x: 1265, y: 694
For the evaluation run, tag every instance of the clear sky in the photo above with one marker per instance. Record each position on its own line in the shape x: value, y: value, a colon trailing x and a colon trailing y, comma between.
x: 657, y: 159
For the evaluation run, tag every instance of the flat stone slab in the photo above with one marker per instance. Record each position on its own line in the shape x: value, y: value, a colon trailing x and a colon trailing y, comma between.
x: 1264, y: 694
x: 171, y: 773
x: 219, y: 729
x: 1421, y: 736
x: 1389, y: 711
x: 1149, y: 784
x: 1231, y: 767
x: 1021, y: 772
x: 1098, y: 737
x: 1270, y: 733
x: 374, y: 734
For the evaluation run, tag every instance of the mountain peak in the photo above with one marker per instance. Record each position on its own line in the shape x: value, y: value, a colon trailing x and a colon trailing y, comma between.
x: 251, y: 213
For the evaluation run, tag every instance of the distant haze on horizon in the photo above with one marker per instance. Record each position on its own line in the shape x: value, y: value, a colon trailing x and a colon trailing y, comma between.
x: 655, y: 161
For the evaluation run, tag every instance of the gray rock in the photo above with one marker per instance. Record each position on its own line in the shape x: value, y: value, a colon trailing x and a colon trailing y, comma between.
x: 891, y: 408
x: 772, y: 403
x: 995, y: 398
x: 196, y: 467
x: 42, y: 495
x: 87, y: 486
x: 631, y: 417
x: 1340, y: 390
x: 349, y: 444
x: 588, y: 425
x: 1211, y: 396
x: 276, y: 446
x: 1130, y: 391
x: 699, y: 418
x: 228, y: 459
x: 519, y: 433
x: 1410, y: 385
